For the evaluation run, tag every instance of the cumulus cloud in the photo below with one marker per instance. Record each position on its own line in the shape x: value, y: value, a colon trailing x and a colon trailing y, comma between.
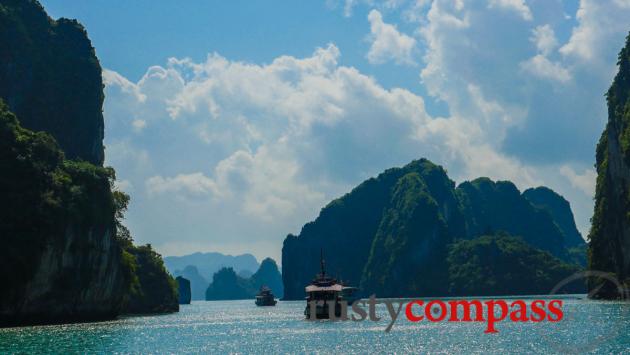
x: 387, y: 43
x: 195, y: 184
x: 599, y: 23
x: 546, y: 109
x: 518, y: 6
x: 542, y: 67
x: 219, y: 149
x: 585, y: 181
x: 544, y: 38
x: 271, y: 144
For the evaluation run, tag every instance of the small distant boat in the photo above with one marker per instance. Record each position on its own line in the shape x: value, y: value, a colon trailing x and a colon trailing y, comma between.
x: 327, y: 292
x: 265, y: 297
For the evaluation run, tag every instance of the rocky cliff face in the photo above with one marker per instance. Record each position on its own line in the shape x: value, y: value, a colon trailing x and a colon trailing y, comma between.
x: 183, y: 289
x: 560, y: 210
x: 51, y: 79
x: 609, y: 238
x: 499, y: 206
x: 344, y: 229
x: 421, y: 219
x: 59, y: 256
x: 391, y: 234
x: 70, y: 284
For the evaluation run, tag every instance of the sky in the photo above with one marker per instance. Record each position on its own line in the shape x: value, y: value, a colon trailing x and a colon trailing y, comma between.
x: 232, y: 123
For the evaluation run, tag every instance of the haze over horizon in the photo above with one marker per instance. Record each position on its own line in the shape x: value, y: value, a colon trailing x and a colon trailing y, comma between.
x: 231, y: 126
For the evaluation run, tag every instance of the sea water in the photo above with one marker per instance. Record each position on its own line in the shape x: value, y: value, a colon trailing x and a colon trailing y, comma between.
x: 241, y: 327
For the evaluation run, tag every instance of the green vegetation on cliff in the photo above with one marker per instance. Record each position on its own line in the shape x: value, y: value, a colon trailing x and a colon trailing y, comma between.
x: 53, y: 207
x: 499, y: 206
x: 391, y: 234
x: 47, y: 202
x: 609, y: 238
x: 413, y: 235
x: 155, y: 290
x: 151, y: 289
x: 503, y: 265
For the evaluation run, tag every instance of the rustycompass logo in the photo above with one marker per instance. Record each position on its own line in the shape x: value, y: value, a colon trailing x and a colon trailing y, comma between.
x: 490, y: 311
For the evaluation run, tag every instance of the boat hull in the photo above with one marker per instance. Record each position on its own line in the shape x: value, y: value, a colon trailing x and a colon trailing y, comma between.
x: 322, y: 311
x: 266, y: 303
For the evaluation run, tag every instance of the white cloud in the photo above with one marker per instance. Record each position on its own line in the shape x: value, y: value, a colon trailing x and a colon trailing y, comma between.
x: 535, y: 128
x: 519, y: 6
x: 194, y: 185
x: 388, y: 43
x: 347, y: 8
x: 599, y: 24
x: 585, y: 181
x: 544, y: 38
x: 269, y: 145
x: 139, y: 125
x: 542, y: 67
x: 249, y: 152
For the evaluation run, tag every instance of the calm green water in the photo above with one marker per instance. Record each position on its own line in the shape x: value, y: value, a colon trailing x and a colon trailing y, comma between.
x: 241, y: 327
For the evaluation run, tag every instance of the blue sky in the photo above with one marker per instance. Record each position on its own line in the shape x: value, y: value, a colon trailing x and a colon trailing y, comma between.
x: 231, y: 123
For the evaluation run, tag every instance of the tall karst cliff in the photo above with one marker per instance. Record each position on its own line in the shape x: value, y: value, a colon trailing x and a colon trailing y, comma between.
x: 65, y: 255
x: 51, y: 79
x: 609, y: 238
x: 391, y: 234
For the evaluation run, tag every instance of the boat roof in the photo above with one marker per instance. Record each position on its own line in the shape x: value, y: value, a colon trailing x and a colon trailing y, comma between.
x: 315, y: 288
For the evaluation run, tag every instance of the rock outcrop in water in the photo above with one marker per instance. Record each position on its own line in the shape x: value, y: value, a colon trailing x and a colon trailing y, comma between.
x: 198, y: 284
x: 183, y: 287
x: 391, y: 234
x: 51, y: 79
x: 609, y: 238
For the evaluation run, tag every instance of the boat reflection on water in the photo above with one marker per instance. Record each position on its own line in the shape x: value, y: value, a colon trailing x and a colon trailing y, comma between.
x: 326, y: 292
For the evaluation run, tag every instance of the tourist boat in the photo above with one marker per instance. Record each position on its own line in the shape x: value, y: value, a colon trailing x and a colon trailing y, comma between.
x: 265, y: 297
x: 326, y: 292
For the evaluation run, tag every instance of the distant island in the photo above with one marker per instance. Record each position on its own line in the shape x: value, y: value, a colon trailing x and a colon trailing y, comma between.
x: 412, y: 232
x: 227, y: 285
x: 199, y: 268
